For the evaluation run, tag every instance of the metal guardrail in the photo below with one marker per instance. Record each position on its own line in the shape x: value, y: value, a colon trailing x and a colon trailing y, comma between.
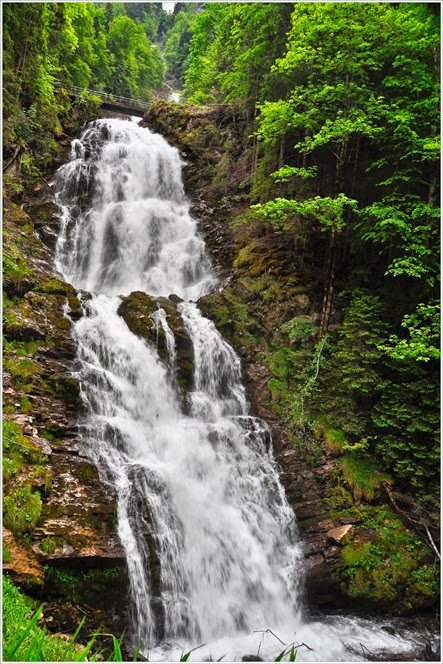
x: 105, y: 96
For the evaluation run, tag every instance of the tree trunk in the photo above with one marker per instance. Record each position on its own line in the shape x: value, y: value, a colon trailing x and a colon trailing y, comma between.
x: 281, y: 156
x: 432, y: 189
x: 329, y: 285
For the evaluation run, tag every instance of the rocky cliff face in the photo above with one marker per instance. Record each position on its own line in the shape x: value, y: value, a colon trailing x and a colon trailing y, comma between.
x: 60, y: 539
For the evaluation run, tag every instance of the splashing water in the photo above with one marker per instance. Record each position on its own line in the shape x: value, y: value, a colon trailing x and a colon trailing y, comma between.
x: 211, y: 543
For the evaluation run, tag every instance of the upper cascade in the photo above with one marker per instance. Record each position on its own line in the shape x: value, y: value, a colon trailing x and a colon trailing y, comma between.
x: 126, y: 223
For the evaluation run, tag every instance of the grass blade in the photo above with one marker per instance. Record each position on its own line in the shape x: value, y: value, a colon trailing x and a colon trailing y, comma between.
x: 32, y: 623
x: 281, y: 655
x: 185, y: 658
x: 117, y: 650
x: 81, y: 657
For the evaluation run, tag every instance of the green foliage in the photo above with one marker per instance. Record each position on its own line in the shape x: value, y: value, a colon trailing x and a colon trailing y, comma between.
x: 392, y: 566
x: 286, y: 172
x: 21, y: 508
x: 232, y: 49
x: 326, y: 211
x: 89, y: 45
x: 423, y: 327
x: 178, y: 42
x: 362, y: 476
x: 299, y: 329
x: 140, y: 67
x: 25, y: 641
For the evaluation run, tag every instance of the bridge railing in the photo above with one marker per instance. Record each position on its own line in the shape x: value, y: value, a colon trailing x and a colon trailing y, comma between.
x: 105, y: 96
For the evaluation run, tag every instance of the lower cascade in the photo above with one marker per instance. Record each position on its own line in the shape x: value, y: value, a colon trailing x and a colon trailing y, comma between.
x: 211, y: 543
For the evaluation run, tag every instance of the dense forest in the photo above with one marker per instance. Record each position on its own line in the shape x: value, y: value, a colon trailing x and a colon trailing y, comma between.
x: 327, y: 179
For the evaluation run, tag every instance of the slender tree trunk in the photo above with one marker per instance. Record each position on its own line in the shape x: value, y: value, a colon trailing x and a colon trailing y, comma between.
x: 329, y: 285
x: 281, y: 156
x: 332, y: 246
x: 304, y: 153
x: 432, y: 189
x: 254, y: 143
x: 354, y: 174
x: 22, y: 62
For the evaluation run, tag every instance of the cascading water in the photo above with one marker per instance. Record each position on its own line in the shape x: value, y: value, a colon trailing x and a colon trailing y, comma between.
x: 210, y: 540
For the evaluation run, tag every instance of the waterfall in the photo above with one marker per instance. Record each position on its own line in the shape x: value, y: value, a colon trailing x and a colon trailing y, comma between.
x: 210, y: 541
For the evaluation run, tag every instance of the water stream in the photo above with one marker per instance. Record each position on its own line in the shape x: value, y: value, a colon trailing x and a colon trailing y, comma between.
x: 211, y: 544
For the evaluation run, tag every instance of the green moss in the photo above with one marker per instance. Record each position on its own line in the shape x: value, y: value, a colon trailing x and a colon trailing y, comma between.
x: 21, y: 508
x: 23, y: 470
x: 50, y: 544
x: 25, y: 405
x: 22, y: 369
x: 18, y: 450
x: 52, y: 285
x: 15, y: 268
x: 362, y: 476
x: 335, y: 439
x: 7, y: 556
x: 392, y: 567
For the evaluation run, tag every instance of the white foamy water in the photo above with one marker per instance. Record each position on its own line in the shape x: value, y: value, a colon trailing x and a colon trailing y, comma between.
x: 211, y: 543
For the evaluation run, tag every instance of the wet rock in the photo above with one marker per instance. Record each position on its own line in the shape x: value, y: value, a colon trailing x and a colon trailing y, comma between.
x: 36, y: 317
x: 314, y: 561
x: 136, y: 310
x: 183, y: 343
x: 78, y: 515
x: 75, y: 533
x: 315, y: 545
x: 46, y: 217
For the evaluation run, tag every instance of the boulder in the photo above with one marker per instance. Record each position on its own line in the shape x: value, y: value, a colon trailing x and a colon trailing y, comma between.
x: 183, y: 342
x: 341, y: 535
x: 136, y: 310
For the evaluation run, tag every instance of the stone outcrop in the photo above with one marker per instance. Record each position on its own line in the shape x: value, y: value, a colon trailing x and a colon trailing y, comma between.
x: 137, y: 309
x: 74, y: 539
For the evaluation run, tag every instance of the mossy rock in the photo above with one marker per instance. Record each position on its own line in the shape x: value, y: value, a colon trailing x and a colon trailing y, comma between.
x: 101, y: 588
x: 67, y: 388
x: 48, y: 283
x: 183, y: 342
x: 216, y: 309
x: 136, y: 310
x: 75, y: 307
x: 37, y: 316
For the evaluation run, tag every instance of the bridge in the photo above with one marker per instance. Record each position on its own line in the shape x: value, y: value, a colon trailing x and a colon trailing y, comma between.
x: 112, y: 102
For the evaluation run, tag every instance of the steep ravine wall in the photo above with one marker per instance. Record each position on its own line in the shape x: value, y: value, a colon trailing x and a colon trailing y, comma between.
x: 60, y: 542
x: 265, y: 282
x: 66, y: 551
